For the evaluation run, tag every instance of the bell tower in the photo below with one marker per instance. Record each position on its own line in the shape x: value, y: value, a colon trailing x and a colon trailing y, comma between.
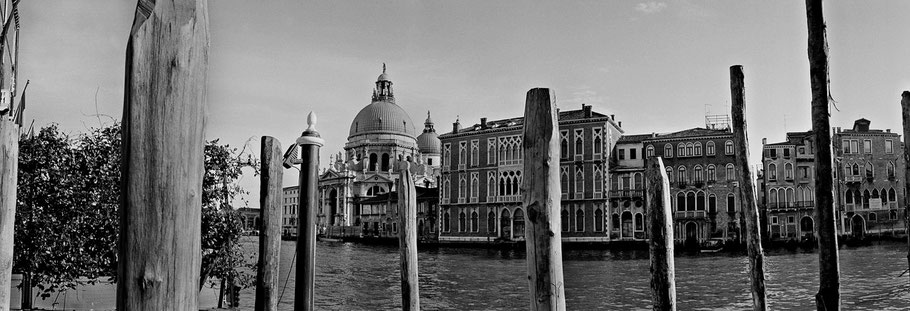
x: 383, y: 90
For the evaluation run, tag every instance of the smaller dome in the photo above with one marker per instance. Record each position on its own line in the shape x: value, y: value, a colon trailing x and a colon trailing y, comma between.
x: 384, y: 76
x: 428, y: 143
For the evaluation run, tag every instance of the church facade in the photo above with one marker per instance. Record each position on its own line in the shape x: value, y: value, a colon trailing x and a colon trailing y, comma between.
x: 382, y: 139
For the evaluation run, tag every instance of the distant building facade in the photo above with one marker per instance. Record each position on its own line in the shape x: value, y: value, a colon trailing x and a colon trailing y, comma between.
x: 788, y: 176
x: 627, y: 209
x: 703, y: 184
x: 480, y: 197
x: 380, y: 214
x: 870, y: 183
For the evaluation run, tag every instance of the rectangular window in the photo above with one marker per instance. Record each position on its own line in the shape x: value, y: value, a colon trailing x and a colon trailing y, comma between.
x: 621, y: 154
x: 773, y: 153
x: 867, y: 146
x: 632, y: 153
x: 854, y: 146
x: 791, y: 219
x: 786, y: 152
x: 773, y: 220
x: 889, y: 146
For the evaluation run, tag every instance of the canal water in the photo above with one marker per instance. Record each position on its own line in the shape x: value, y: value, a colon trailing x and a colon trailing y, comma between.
x: 366, y: 277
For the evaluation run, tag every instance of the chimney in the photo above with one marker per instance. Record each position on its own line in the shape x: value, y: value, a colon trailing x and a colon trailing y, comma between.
x: 456, y: 126
x: 483, y: 123
x: 613, y: 117
x: 653, y: 134
x: 764, y: 141
x: 587, y: 110
x: 620, y: 124
x: 887, y: 130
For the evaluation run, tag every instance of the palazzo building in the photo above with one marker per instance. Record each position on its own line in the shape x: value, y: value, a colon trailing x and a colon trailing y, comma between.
x: 480, y: 195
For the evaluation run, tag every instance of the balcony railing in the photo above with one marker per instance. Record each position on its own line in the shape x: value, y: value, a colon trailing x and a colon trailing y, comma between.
x: 634, y: 193
x: 690, y: 214
x: 854, y: 178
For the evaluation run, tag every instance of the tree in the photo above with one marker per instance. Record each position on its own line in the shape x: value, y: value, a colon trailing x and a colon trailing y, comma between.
x: 67, y: 221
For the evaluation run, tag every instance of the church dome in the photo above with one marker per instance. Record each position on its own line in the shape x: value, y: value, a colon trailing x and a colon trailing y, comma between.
x: 428, y: 141
x: 382, y: 117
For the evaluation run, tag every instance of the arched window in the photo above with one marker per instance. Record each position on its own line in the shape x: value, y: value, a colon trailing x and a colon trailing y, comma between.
x: 462, y: 188
x: 788, y: 171
x: 373, y: 160
x: 475, y: 186
x: 564, y: 144
x: 712, y: 203
x: 892, y: 195
x: 445, y: 222
x: 731, y: 175
x: 564, y: 180
x: 598, y: 220
x: 681, y: 150
x: 790, y: 196
x: 639, y: 222
x: 712, y: 173
x: 579, y: 180
x: 462, y: 222
x: 698, y: 148
x: 728, y: 147
x: 475, y: 222
x: 650, y: 151
x: 385, y: 162
x: 580, y: 220
x: 866, y: 196
x: 669, y: 174
x: 699, y: 174
x: 872, y: 217
x: 598, y: 179
x: 564, y: 220
x: 445, y: 188
x: 870, y: 172
x: 690, y: 149
x: 848, y: 197
x: 680, y: 202
x: 772, y: 197
x: 518, y: 223
x: 855, y: 169
x: 491, y: 187
x: 638, y: 180
x: 690, y: 201
x: 491, y: 222
x: 731, y: 203
x: 700, y: 201
x: 668, y: 151
x: 598, y: 146
x: 681, y: 176
x: 875, y: 193
x: 890, y: 170
x: 772, y: 171
x: 709, y: 148
x: 579, y: 142
x: 615, y: 222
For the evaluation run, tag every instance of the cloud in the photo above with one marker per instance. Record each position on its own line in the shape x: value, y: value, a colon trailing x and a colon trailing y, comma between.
x: 651, y: 7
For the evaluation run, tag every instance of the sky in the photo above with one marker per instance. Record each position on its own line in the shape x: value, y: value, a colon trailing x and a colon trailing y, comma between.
x: 659, y: 66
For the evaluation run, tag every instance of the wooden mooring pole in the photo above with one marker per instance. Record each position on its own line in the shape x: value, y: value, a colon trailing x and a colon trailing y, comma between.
x: 407, y: 239
x: 828, y: 297
x: 309, y: 142
x: 905, y: 113
x: 744, y: 174
x: 163, y: 141
x: 9, y: 174
x: 660, y: 222
x: 541, y: 195
x: 270, y: 194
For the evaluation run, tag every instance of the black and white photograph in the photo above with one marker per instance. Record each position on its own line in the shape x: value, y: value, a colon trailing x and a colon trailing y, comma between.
x: 454, y: 155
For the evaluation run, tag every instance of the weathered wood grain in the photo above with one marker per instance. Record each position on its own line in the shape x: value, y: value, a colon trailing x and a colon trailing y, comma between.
x: 828, y: 297
x: 407, y: 241
x: 540, y: 193
x: 747, y: 189
x: 163, y: 141
x: 270, y: 195
x: 660, y: 223
x: 9, y: 163
x: 905, y: 116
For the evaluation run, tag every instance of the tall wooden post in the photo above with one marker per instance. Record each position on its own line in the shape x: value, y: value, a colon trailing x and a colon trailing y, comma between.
x: 747, y: 189
x: 9, y: 174
x: 905, y: 113
x: 540, y: 193
x: 407, y: 239
x: 270, y: 194
x: 660, y: 222
x: 828, y: 297
x: 163, y: 141
x: 309, y: 141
